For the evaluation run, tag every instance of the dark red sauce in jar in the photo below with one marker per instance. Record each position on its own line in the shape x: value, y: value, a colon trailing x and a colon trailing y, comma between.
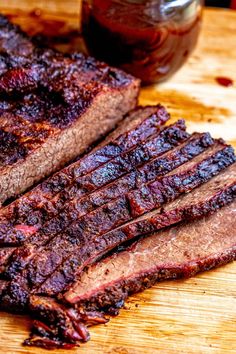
x: 150, y: 39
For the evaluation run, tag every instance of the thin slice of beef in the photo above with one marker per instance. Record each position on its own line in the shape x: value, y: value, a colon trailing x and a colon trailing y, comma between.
x: 73, y: 244
x: 157, y: 167
x: 179, y: 251
x: 190, y: 148
x: 156, y: 146
x: 81, y: 186
x: 137, y: 126
x: 205, y: 199
x: 71, y: 255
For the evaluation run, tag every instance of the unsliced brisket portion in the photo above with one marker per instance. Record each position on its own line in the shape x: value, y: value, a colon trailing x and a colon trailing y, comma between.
x: 62, y: 204
x: 16, y: 49
x: 179, y: 251
x: 80, y: 236
x: 34, y: 146
x: 26, y: 67
x: 42, y: 130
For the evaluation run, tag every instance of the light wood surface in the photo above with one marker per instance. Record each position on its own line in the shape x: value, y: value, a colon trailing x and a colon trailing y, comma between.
x: 197, y: 315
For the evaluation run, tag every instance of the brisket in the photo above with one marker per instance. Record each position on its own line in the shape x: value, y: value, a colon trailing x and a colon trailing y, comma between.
x: 42, y: 130
x: 73, y: 324
x: 26, y: 67
x: 95, y: 247
x: 138, y: 125
x: 16, y: 49
x: 185, y: 151
x: 179, y: 251
x: 20, y: 257
x: 79, y: 236
x: 157, y: 167
x: 156, y: 146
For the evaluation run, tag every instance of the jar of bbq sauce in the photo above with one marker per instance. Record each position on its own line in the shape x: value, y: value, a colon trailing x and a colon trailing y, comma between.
x: 151, y: 39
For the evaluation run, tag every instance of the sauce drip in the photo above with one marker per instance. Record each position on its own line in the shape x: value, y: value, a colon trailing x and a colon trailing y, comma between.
x: 224, y: 81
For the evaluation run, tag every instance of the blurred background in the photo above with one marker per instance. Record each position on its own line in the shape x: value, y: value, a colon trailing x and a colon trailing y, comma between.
x: 71, y: 7
x: 221, y: 3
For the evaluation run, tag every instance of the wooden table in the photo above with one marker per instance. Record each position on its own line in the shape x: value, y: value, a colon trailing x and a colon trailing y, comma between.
x: 196, y: 315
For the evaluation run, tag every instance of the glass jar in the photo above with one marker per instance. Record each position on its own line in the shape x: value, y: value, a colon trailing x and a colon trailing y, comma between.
x: 151, y: 39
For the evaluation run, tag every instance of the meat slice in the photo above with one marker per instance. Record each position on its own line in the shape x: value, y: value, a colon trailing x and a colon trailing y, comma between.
x: 195, y: 204
x: 46, y: 332
x: 138, y: 125
x: 42, y: 130
x: 66, y: 202
x: 143, y: 122
x: 167, y: 162
x: 77, y: 208
x: 73, y: 253
x: 157, y: 167
x: 179, y: 251
x: 71, y: 249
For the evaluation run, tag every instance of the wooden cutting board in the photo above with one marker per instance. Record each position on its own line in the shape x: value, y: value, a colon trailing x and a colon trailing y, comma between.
x: 197, y: 315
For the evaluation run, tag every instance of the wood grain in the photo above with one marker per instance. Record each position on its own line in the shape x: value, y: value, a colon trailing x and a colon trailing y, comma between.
x: 198, y: 315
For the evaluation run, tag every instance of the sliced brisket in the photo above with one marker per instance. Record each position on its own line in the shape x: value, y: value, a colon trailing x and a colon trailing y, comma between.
x: 179, y: 251
x: 79, y: 237
x: 90, y: 235
x: 190, y: 148
x: 167, y: 162
x: 168, y: 138
x: 138, y: 125
x: 201, y: 201
x: 110, y: 171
